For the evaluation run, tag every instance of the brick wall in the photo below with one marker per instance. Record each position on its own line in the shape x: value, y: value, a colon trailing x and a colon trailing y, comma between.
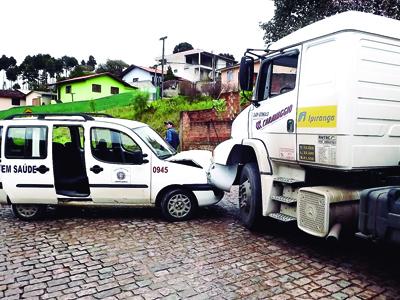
x: 205, y: 129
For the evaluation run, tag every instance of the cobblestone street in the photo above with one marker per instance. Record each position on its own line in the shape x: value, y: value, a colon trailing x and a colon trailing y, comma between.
x: 121, y: 253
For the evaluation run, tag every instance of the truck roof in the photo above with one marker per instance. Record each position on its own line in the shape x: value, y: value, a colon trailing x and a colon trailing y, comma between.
x: 347, y: 21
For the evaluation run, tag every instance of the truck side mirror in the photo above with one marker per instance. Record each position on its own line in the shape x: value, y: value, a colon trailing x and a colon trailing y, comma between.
x: 246, y: 73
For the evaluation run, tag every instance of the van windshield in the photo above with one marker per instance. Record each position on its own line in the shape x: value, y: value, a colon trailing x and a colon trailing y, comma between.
x: 155, y: 142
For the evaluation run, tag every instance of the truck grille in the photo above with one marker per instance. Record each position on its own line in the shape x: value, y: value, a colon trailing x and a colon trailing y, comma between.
x: 312, y: 208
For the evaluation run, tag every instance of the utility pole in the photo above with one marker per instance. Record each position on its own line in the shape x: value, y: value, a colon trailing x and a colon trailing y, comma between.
x: 162, y: 65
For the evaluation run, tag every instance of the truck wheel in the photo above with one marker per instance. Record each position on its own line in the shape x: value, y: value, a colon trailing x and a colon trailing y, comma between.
x: 250, y: 196
x: 178, y: 205
x: 28, y: 212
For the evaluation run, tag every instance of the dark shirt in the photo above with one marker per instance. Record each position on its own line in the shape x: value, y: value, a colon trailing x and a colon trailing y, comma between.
x: 172, y: 138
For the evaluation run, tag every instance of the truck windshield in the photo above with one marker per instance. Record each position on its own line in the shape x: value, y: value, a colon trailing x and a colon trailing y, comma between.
x: 160, y: 147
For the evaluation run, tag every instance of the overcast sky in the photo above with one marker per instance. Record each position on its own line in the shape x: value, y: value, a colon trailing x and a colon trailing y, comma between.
x: 128, y: 29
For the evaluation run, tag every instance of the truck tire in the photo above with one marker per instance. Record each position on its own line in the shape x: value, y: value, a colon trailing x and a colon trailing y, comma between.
x: 28, y: 212
x: 250, y: 196
x: 178, y: 205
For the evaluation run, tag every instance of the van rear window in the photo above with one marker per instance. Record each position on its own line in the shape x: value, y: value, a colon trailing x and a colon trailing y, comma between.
x: 26, y: 142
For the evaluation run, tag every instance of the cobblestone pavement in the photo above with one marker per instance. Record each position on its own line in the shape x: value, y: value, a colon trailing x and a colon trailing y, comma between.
x: 135, y: 254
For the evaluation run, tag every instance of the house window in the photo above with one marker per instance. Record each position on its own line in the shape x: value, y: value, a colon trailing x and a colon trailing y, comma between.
x: 96, y: 88
x: 135, y: 79
x: 16, y: 101
x: 68, y: 89
x: 229, y: 75
x: 114, y: 90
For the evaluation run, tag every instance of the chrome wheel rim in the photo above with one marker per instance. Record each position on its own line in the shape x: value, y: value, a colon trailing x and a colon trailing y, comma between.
x: 245, y: 196
x: 27, y: 211
x: 179, y: 206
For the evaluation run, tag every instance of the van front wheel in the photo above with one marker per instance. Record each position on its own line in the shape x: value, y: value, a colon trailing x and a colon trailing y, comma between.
x: 28, y: 212
x: 178, y: 205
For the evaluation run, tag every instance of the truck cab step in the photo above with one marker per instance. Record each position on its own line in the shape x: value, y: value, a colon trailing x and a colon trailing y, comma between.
x: 284, y: 199
x: 282, y: 217
x: 287, y: 180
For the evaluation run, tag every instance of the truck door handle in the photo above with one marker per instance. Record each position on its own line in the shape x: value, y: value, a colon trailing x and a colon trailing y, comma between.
x: 290, y: 125
x: 96, y: 169
x: 42, y: 169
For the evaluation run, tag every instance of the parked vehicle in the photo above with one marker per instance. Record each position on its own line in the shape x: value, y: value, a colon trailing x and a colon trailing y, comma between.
x: 324, y: 125
x: 78, y: 159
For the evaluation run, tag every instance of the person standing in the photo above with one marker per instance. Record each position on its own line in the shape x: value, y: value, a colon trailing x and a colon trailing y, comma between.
x: 171, y: 136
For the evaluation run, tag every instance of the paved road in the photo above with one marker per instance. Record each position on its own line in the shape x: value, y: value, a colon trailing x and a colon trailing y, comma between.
x: 135, y: 254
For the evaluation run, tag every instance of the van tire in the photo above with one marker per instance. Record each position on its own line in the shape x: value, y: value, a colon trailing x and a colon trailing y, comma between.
x: 28, y: 212
x: 178, y: 205
x: 250, y: 196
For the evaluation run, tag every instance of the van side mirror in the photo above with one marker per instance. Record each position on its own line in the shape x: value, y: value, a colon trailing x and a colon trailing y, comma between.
x: 246, y: 73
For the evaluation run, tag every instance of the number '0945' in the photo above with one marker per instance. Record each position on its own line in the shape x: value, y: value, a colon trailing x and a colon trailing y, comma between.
x: 160, y: 169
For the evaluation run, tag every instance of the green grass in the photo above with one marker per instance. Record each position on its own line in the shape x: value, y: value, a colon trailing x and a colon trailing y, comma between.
x: 131, y: 106
x: 98, y: 105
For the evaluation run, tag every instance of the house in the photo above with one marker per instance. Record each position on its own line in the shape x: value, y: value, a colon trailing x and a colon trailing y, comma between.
x: 196, y: 65
x: 34, y: 98
x: 230, y: 85
x: 147, y: 79
x: 11, y: 98
x: 230, y: 77
x: 91, y: 87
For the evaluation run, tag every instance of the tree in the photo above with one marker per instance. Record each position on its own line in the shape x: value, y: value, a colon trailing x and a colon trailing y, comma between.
x: 83, y: 63
x: 227, y: 55
x: 170, y: 75
x: 91, y: 62
x: 291, y: 15
x: 12, y: 73
x: 182, y: 47
x: 16, y: 86
x: 69, y: 62
x: 114, y: 67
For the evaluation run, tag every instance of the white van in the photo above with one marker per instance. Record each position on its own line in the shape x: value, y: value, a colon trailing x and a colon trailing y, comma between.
x: 80, y: 159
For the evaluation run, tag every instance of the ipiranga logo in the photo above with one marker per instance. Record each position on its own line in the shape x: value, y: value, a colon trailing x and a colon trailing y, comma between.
x: 317, y: 116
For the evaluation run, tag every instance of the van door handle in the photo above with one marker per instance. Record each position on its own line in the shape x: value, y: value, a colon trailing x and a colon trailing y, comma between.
x: 96, y: 169
x: 42, y: 169
x: 290, y: 125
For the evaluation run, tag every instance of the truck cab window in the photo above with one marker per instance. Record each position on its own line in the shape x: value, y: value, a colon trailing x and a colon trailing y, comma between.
x: 278, y: 76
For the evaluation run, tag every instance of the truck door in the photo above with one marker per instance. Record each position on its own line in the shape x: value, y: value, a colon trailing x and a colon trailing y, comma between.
x: 115, y: 166
x: 273, y: 119
x: 27, y: 167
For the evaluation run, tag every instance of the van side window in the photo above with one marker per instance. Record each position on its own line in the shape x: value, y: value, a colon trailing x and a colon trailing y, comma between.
x: 26, y: 142
x: 113, y: 146
x: 278, y: 76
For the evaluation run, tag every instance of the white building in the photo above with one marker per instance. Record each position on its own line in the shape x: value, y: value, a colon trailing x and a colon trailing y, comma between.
x: 146, y: 79
x: 34, y: 98
x: 196, y: 65
x: 11, y: 98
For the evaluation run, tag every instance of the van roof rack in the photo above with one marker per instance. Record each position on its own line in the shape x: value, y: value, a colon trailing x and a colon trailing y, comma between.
x: 42, y: 116
x: 99, y: 115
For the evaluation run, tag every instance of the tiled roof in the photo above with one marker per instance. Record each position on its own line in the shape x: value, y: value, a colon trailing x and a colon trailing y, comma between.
x: 150, y: 70
x: 11, y: 94
x: 86, y: 77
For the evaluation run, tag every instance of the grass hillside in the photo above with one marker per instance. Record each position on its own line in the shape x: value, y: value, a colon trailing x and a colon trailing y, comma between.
x: 132, y: 106
x: 98, y: 105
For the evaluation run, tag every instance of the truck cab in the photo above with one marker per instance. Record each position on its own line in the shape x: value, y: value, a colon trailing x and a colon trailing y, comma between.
x: 84, y: 160
x: 323, y: 125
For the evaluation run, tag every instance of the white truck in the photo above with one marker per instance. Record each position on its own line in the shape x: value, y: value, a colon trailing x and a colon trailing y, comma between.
x: 324, y: 124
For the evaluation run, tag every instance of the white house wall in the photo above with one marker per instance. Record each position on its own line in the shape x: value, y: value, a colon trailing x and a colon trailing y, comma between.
x: 5, y: 103
x: 142, y: 75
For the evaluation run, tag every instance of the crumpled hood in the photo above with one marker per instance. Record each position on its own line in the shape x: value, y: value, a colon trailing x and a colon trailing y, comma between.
x: 200, y: 157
